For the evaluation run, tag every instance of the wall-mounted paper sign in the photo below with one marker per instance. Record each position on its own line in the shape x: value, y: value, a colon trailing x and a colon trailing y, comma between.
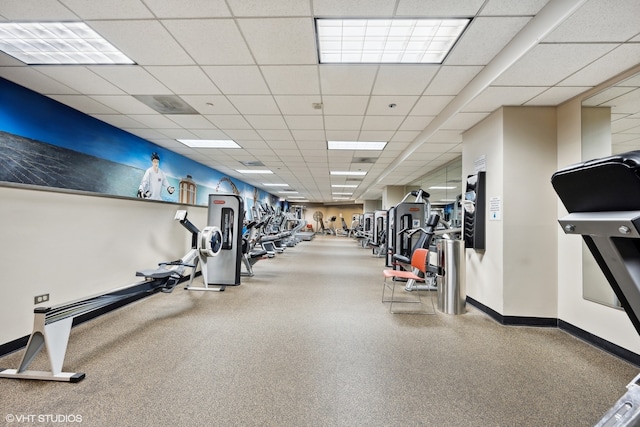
x: 495, y: 208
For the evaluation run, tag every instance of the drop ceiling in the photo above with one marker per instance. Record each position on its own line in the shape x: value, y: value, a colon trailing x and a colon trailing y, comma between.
x: 250, y: 70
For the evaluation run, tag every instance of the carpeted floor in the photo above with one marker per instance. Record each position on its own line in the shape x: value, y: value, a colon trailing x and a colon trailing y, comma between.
x: 308, y: 342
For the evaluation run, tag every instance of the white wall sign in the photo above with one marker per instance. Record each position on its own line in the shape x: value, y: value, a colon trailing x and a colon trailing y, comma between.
x: 480, y: 164
x: 495, y: 209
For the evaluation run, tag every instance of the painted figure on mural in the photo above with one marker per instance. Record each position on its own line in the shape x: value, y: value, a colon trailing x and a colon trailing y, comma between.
x: 153, y: 181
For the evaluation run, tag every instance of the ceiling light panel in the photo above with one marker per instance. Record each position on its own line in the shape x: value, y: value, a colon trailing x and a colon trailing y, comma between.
x: 356, y: 145
x: 209, y: 143
x: 57, y: 43
x: 408, y: 41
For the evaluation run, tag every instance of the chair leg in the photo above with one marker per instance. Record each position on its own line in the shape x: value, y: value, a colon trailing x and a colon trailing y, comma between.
x: 419, y: 301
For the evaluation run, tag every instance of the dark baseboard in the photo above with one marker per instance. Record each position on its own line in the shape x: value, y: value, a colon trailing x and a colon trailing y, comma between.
x: 581, y: 334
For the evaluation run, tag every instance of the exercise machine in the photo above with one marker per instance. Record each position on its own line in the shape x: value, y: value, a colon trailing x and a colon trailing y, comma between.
x: 602, y: 197
x: 225, y: 213
x: 403, y: 217
x: 52, y: 325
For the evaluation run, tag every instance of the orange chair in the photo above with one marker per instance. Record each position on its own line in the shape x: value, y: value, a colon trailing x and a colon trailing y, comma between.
x: 419, y: 265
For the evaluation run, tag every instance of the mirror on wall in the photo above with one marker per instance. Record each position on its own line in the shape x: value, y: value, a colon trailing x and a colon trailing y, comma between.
x: 444, y: 186
x: 610, y: 125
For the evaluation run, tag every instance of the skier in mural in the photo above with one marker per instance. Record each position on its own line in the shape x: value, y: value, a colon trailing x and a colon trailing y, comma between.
x: 153, y: 181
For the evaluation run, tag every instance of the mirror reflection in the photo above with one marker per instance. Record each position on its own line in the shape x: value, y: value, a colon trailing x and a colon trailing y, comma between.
x: 610, y: 125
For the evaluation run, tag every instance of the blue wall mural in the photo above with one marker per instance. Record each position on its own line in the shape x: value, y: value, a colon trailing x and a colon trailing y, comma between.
x: 44, y: 142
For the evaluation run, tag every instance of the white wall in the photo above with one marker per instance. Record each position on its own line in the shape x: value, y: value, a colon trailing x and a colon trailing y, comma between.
x: 529, y: 212
x: 485, y: 269
x: 516, y: 274
x: 74, y: 245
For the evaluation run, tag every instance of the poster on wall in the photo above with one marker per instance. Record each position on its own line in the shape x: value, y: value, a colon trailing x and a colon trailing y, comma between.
x: 45, y: 143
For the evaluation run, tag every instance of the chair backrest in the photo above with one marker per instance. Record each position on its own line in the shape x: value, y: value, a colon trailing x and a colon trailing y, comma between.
x: 419, y: 259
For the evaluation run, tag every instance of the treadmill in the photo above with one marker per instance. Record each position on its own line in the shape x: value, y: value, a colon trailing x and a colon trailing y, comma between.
x: 602, y: 197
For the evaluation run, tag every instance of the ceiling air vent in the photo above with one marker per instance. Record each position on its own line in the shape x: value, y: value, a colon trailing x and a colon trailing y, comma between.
x: 166, y: 104
x: 364, y: 160
x: 252, y: 163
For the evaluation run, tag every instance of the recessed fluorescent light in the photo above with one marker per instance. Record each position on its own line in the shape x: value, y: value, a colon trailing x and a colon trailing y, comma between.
x: 57, y: 43
x: 358, y: 173
x: 341, y: 198
x: 343, y: 186
x: 414, y: 41
x: 274, y: 185
x: 339, y: 193
x: 256, y: 171
x: 296, y: 197
x: 209, y: 143
x: 356, y: 145
x: 287, y: 192
x: 441, y: 187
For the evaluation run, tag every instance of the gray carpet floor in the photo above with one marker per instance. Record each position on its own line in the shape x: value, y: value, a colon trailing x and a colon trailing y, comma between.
x: 308, y: 342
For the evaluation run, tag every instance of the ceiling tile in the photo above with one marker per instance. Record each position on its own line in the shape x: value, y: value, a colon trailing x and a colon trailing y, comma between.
x: 347, y: 80
x: 83, y: 103
x: 191, y: 121
x: 210, y: 104
x: 280, y: 40
x: 108, y: 9
x: 155, y: 121
x: 557, y: 95
x: 304, y: 122
x: 119, y: 121
x: 308, y: 135
x: 254, y: 104
x: 438, y: 8
x: 599, y: 21
x: 275, y: 135
x: 241, y: 79
x: 352, y: 105
x: 38, y: 82
x: 342, y: 135
x: 131, y: 79
x: 124, y: 104
x: 375, y: 135
x: 343, y: 122
x: 145, y: 42
x: 80, y: 79
x: 391, y: 105
x: 484, y: 39
x: 242, y: 134
x: 496, y: 96
x: 359, y: 8
x: 230, y: 48
x: 188, y: 8
x: 403, y: 79
x: 231, y: 121
x: 183, y: 80
x: 510, y: 7
x: 270, y: 8
x: 418, y: 123
x: 36, y: 10
x: 533, y: 68
x: 464, y: 121
x: 452, y: 79
x: 385, y: 123
x: 298, y: 105
x: 210, y: 133
x: 292, y: 80
x: 266, y: 121
x: 430, y: 105
x: 613, y: 63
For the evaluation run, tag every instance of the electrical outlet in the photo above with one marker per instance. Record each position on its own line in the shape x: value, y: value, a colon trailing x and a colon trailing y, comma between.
x: 41, y: 298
